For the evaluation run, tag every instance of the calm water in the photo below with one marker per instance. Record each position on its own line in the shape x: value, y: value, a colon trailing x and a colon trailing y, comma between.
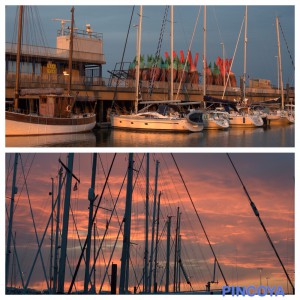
x: 276, y: 136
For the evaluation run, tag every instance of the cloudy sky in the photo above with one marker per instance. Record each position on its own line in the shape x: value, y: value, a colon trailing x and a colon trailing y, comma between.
x: 223, y: 26
x: 235, y: 233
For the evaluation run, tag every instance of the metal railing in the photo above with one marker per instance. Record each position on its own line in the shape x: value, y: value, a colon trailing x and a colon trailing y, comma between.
x: 54, y: 53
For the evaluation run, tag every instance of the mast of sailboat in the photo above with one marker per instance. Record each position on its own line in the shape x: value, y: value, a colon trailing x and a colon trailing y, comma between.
x: 138, y: 62
x: 55, y: 275
x: 204, y: 52
x: 91, y: 198
x: 175, y: 278
x: 146, y: 227
x: 95, y: 256
x: 156, y: 244
x: 245, y: 52
x: 18, y: 58
x: 153, y: 227
x: 51, y: 238
x: 71, y: 51
x: 172, y: 49
x: 279, y: 60
x: 168, y: 254
x: 64, y: 236
x: 123, y: 287
x: 10, y: 222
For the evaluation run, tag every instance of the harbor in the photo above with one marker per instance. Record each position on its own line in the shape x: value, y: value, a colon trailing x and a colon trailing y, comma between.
x: 63, y: 90
x: 139, y: 224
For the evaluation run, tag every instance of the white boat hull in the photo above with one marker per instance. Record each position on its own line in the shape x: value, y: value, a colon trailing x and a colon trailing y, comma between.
x: 245, y: 121
x: 282, y: 117
x: 164, y: 124
x: 14, y: 127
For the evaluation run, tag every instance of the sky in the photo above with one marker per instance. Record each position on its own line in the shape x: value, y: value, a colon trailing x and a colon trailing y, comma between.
x: 234, y: 232
x: 223, y: 26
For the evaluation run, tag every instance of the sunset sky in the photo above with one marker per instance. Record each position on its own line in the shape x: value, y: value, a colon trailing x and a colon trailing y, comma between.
x: 238, y: 240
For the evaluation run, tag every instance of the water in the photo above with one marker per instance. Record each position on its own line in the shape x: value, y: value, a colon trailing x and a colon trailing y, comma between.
x: 269, y: 136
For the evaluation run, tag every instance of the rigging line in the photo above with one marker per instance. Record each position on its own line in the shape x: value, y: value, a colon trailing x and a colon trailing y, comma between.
x: 188, y: 219
x: 219, y: 31
x: 17, y: 258
x: 122, y: 60
x: 17, y: 201
x: 198, y: 217
x: 287, y: 46
x: 108, y: 223
x: 103, y: 256
x: 113, y: 250
x: 256, y: 212
x: 42, y: 240
x: 158, y: 50
x: 34, y: 225
x: 93, y: 220
x: 115, y: 211
x: 233, y: 58
x: 165, y: 226
x: 80, y: 244
x: 9, y: 170
x: 190, y: 46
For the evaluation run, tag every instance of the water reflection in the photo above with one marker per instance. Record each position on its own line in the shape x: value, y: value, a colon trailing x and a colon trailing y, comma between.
x: 276, y: 136
x: 87, y: 139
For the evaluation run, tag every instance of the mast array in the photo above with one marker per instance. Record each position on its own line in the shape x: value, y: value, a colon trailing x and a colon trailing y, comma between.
x: 172, y: 245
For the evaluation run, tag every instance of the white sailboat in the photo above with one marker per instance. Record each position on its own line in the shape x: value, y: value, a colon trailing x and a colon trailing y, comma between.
x: 167, y: 117
x: 212, y: 119
x: 47, y: 111
x: 244, y: 116
x: 286, y: 114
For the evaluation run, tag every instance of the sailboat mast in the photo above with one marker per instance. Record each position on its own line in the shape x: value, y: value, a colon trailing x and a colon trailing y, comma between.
x: 71, y: 51
x: 146, y: 227
x: 64, y: 236
x: 51, y: 239
x: 138, y: 62
x: 279, y: 60
x: 156, y: 244
x: 176, y: 254
x: 245, y: 52
x: 91, y: 198
x: 11, y: 214
x: 57, y: 231
x: 18, y: 59
x: 123, y: 287
x: 172, y: 50
x: 204, y: 52
x: 168, y: 254
x: 153, y: 227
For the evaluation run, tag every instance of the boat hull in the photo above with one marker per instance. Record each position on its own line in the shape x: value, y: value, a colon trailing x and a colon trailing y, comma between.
x: 281, y: 120
x: 153, y: 124
x: 245, y: 121
x: 215, y: 124
x: 20, y: 124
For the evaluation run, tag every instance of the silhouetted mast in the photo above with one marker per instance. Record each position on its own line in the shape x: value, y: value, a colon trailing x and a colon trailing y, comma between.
x: 146, y: 254
x: 91, y: 198
x: 57, y: 231
x: 123, y: 287
x: 64, y: 236
x: 10, y: 222
x: 153, y: 227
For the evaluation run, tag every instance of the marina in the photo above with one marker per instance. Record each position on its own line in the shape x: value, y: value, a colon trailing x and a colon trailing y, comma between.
x: 62, y: 90
x: 148, y: 223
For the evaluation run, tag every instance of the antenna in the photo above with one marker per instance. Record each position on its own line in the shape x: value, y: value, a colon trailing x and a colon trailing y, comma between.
x: 62, y: 22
